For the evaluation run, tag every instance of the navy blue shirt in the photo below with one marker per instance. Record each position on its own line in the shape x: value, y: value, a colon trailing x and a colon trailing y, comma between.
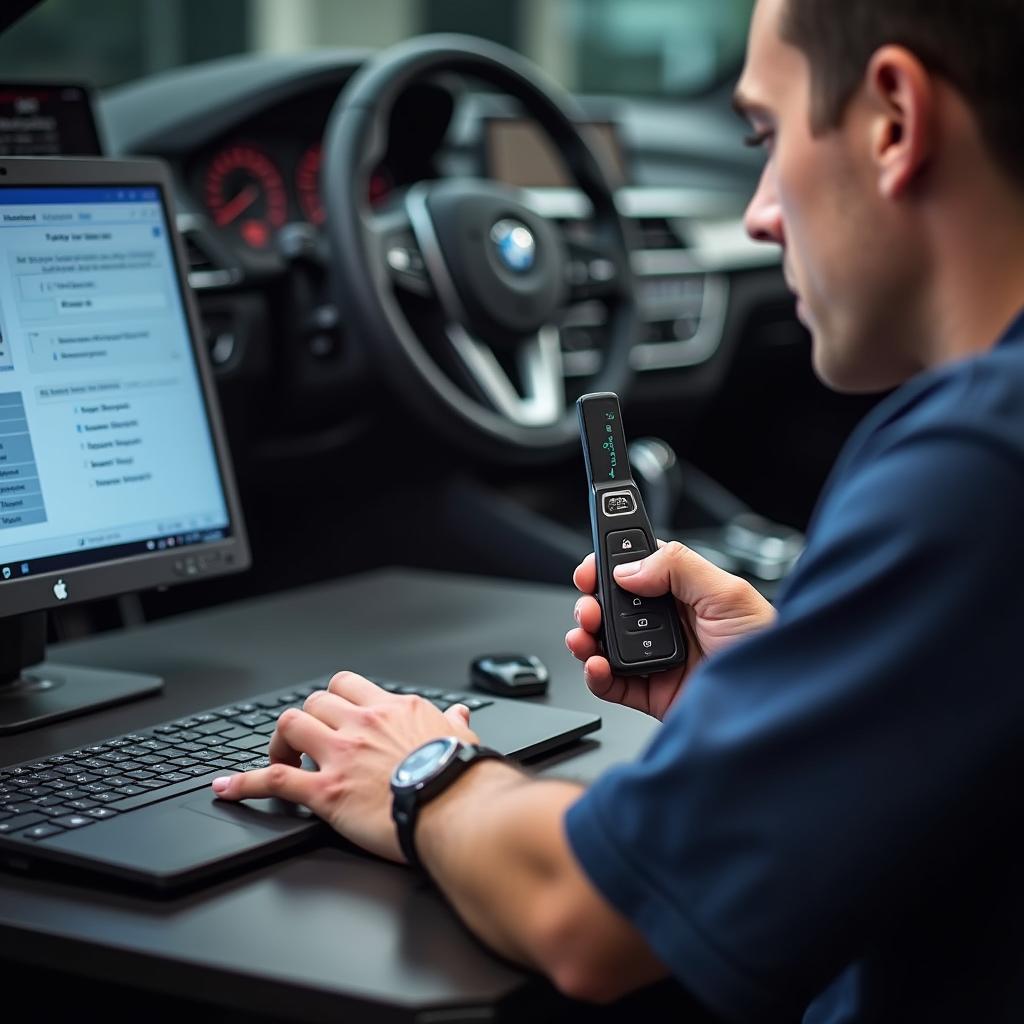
x: 825, y: 825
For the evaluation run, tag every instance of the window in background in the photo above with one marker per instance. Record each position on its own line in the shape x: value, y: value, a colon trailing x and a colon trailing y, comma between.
x: 612, y: 47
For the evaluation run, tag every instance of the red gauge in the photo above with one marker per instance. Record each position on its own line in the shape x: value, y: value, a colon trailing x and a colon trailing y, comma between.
x: 307, y: 184
x: 244, y: 192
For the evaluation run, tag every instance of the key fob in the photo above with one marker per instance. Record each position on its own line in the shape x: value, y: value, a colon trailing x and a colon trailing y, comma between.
x: 640, y: 635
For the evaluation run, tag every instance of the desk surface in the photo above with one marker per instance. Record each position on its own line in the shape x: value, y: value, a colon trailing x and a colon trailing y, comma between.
x: 328, y: 933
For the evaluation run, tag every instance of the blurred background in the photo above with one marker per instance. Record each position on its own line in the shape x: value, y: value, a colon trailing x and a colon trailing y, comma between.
x: 598, y: 47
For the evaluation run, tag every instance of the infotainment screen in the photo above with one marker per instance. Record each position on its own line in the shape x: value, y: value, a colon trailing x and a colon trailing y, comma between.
x: 519, y: 153
x: 47, y: 120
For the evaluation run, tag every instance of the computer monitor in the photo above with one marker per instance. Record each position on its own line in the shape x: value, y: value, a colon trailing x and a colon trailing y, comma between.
x: 114, y: 471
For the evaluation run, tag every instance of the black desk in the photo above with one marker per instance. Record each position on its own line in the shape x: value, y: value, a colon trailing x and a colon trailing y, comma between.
x: 329, y: 934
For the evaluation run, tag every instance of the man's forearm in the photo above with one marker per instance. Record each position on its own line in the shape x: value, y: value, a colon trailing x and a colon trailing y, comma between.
x: 495, y: 845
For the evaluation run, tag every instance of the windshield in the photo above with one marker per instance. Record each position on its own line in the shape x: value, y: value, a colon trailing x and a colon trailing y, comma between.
x: 606, y: 47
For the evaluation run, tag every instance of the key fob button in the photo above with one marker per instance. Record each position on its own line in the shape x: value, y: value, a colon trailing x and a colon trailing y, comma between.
x: 640, y: 647
x: 627, y: 545
x: 618, y: 503
x: 643, y: 623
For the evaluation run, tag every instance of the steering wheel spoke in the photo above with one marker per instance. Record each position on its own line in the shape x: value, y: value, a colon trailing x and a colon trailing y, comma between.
x: 403, y: 261
x: 539, y: 362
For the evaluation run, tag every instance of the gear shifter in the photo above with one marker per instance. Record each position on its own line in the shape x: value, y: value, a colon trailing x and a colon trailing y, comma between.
x: 728, y: 533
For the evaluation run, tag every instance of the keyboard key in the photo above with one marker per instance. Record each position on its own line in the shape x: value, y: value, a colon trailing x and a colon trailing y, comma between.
x: 236, y: 732
x: 83, y: 805
x: 101, y: 813
x: 21, y: 808
x: 130, y: 790
x: 72, y: 794
x: 213, y: 728
x: 20, y: 822
x: 57, y: 811
x: 42, y: 832
x: 74, y: 821
x: 253, y: 720
x: 250, y: 742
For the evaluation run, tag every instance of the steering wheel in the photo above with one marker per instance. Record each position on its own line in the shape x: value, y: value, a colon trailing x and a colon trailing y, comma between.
x: 495, y: 276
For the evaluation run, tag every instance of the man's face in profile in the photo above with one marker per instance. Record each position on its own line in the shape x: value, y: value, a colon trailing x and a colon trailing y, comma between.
x: 818, y: 199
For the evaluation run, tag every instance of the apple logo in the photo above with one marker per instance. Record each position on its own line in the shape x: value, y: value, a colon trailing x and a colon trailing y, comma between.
x: 60, y: 590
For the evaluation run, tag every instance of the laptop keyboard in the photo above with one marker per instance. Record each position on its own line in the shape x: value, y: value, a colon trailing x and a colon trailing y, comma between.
x: 79, y: 788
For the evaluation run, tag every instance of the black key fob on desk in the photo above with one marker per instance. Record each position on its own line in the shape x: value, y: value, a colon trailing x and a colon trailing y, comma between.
x: 640, y: 635
x: 509, y: 675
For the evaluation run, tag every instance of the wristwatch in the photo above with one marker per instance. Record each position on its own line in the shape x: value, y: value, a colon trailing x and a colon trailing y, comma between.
x: 425, y: 773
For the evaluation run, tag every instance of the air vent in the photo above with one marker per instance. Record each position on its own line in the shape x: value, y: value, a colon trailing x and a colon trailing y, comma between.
x: 658, y: 233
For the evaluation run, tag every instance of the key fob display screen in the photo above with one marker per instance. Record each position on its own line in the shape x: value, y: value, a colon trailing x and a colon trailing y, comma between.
x: 606, y: 441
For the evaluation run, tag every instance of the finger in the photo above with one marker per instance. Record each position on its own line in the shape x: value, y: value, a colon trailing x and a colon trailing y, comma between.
x: 601, y: 681
x: 279, y: 780
x: 629, y: 691
x: 458, y: 714
x: 357, y: 689
x: 329, y: 708
x: 588, y: 614
x: 299, y: 733
x: 582, y: 645
x: 585, y: 575
x: 676, y: 568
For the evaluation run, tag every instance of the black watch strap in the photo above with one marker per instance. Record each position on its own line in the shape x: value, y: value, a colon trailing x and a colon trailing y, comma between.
x: 406, y: 805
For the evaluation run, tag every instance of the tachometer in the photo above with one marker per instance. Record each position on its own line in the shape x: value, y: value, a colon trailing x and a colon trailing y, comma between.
x: 244, y: 192
x: 307, y: 184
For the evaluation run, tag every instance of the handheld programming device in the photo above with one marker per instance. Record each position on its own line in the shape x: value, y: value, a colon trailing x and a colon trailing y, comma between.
x: 640, y: 635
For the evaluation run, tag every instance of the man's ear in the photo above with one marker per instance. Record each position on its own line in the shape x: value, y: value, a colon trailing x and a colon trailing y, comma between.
x: 902, y: 99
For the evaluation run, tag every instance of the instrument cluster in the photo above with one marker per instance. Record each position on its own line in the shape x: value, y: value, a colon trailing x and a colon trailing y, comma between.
x: 251, y: 189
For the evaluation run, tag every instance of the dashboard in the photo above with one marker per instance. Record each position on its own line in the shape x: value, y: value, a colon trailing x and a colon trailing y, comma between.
x: 719, y: 345
x: 244, y: 138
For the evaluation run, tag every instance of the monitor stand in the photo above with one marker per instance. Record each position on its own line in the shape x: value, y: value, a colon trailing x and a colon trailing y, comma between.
x: 34, y: 691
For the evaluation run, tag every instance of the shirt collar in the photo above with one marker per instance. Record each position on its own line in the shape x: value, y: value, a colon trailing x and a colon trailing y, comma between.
x: 1014, y: 332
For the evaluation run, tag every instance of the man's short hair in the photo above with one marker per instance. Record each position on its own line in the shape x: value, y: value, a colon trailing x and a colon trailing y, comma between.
x: 974, y: 44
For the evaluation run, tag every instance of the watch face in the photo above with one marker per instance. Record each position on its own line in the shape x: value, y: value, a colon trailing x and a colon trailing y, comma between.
x: 421, y: 764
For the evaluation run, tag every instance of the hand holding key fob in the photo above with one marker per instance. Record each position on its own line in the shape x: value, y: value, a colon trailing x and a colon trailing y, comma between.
x: 640, y: 635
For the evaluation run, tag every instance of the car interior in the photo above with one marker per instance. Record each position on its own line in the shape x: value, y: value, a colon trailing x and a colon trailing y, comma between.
x: 731, y: 435
x: 414, y: 236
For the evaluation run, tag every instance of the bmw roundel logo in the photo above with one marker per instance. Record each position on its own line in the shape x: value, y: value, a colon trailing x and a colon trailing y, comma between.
x: 515, y: 244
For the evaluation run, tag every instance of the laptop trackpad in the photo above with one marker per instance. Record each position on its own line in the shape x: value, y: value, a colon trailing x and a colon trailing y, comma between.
x: 274, y: 814
x: 174, y: 837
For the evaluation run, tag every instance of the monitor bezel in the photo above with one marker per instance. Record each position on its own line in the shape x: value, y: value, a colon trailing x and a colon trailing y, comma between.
x: 112, y: 577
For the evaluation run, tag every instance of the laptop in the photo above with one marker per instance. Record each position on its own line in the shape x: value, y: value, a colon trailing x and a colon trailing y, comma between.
x: 115, y: 475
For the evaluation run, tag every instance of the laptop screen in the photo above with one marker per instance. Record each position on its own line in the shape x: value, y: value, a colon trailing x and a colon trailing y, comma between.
x: 105, y: 441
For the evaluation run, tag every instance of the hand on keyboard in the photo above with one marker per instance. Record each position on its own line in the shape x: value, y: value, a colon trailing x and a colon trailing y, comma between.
x: 356, y: 732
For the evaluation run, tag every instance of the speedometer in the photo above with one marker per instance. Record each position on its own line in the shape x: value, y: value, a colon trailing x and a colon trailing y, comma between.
x: 244, y: 192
